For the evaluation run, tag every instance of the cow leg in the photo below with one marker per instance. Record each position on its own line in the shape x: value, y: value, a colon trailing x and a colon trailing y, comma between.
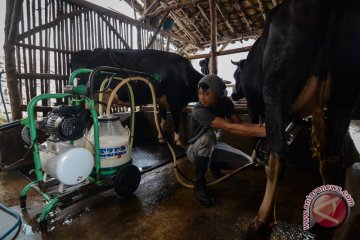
x: 162, y: 115
x: 264, y: 221
x: 175, y: 113
x: 276, y: 145
x: 276, y: 109
x: 332, y: 165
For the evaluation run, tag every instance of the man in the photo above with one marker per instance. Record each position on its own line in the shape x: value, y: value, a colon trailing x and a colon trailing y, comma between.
x: 213, y: 111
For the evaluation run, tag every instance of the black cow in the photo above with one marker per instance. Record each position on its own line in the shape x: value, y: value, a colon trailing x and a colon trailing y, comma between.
x: 204, y: 65
x: 238, y: 93
x: 307, y: 59
x: 178, y: 77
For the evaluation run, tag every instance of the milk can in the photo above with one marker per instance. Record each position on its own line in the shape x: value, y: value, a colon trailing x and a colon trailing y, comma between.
x: 114, y: 143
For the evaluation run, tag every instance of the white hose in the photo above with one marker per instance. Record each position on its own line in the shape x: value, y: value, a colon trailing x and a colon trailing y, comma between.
x: 101, y: 94
x: 177, y: 174
x: 132, y: 106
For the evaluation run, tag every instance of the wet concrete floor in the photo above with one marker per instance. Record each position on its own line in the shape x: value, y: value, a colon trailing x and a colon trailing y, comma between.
x: 163, y: 209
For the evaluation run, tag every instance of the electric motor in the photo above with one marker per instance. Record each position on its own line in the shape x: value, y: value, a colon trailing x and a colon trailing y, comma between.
x: 65, y: 127
x: 64, y: 123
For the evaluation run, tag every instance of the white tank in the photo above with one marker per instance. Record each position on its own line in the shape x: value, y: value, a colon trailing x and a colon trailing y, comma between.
x: 72, y: 166
x: 114, y: 142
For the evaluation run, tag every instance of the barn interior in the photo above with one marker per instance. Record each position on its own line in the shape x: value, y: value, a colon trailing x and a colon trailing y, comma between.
x: 41, y: 35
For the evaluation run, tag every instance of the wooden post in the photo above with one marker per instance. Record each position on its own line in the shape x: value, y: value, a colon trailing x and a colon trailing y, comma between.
x: 12, y: 18
x: 213, y: 27
x: 133, y: 6
x: 167, y: 44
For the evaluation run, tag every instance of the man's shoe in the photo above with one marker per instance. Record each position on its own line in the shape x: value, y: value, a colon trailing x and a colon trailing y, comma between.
x: 204, y: 197
x: 201, y: 165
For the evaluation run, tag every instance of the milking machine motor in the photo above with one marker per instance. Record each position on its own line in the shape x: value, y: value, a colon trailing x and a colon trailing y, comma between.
x: 73, y: 162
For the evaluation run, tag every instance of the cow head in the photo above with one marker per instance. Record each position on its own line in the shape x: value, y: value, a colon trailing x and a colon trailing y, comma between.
x: 204, y: 64
x: 238, y: 91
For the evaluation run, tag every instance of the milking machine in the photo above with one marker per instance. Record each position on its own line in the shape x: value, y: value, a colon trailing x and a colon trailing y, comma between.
x: 73, y: 163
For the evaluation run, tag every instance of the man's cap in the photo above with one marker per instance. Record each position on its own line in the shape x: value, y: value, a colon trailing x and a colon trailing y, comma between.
x: 215, y: 83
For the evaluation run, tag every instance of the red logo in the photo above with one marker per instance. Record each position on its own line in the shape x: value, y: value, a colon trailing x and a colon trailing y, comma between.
x: 329, y: 209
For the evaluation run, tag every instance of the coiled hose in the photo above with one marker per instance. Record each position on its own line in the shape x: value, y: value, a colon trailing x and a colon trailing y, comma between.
x: 178, y: 174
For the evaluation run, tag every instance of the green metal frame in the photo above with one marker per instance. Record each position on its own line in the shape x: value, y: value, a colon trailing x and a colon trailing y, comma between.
x: 77, y: 96
x: 30, y: 122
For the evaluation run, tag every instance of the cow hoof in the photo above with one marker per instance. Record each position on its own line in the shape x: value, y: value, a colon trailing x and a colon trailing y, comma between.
x: 258, y: 225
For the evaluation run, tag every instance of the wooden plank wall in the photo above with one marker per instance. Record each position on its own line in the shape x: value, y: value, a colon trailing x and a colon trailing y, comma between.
x: 50, y: 30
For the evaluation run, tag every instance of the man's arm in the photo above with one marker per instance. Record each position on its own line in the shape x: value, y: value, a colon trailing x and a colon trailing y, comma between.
x: 235, y: 118
x: 242, y: 129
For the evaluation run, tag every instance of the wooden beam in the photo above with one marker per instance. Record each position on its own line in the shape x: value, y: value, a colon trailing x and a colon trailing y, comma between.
x: 167, y: 44
x: 225, y: 52
x: 184, y: 28
x: 157, y: 31
x: 50, y: 24
x: 12, y: 19
x: 213, y: 27
x: 42, y: 76
x: 261, y: 8
x: 202, y: 11
x: 179, y: 50
x: 134, y: 8
x: 252, y: 34
x: 192, y: 23
x: 151, y: 7
x: 13, y: 31
x: 224, y: 46
x: 243, y: 16
x: 131, y: 21
x: 138, y: 32
x: 37, y: 108
x: 226, y: 19
x: 179, y: 22
x: 172, y: 7
x: 115, y: 31
x: 42, y: 48
x: 106, y: 12
x: 137, y: 7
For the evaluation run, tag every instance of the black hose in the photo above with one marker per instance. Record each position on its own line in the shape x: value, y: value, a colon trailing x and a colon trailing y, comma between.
x: 10, y: 125
x: 16, y: 225
x: 107, y: 85
x: 111, y: 71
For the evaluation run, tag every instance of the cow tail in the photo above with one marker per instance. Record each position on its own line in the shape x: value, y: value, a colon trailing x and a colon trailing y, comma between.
x: 318, y: 132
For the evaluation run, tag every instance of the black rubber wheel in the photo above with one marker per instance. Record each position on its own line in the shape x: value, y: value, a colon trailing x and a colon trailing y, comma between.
x: 23, y: 202
x: 44, y: 226
x: 127, y: 180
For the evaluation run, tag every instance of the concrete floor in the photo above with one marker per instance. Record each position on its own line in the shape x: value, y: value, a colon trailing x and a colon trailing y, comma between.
x: 163, y: 209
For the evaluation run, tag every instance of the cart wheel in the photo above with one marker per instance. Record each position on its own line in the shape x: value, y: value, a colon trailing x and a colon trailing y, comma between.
x: 127, y: 180
x: 23, y: 202
x: 44, y: 226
